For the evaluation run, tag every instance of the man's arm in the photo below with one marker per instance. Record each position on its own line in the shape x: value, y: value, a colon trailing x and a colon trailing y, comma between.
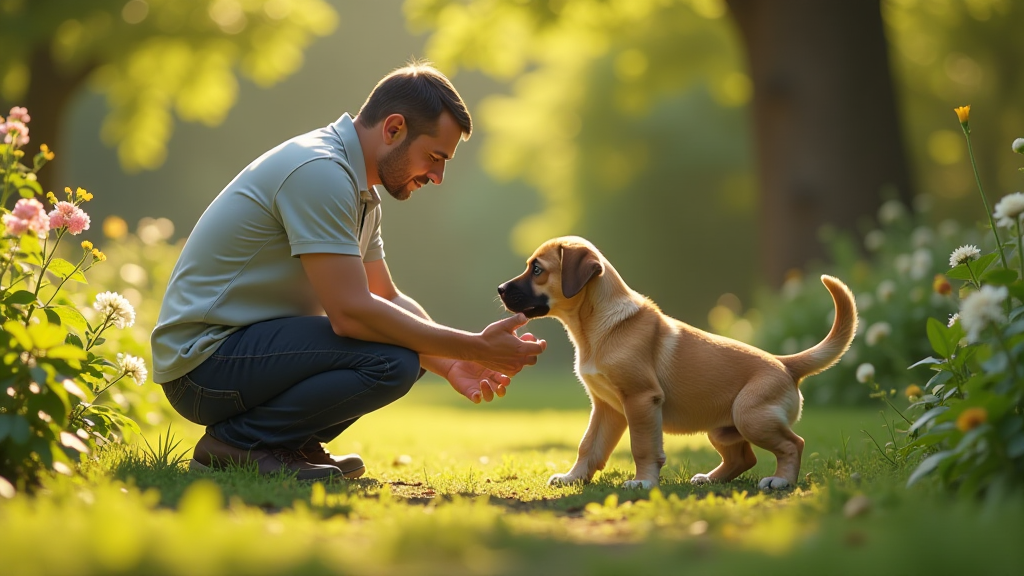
x: 341, y: 284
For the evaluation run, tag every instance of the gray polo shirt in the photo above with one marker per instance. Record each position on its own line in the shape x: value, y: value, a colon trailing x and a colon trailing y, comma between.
x: 240, y: 266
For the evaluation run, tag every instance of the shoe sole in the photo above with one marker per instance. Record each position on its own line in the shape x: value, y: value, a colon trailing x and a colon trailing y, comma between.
x: 195, y: 465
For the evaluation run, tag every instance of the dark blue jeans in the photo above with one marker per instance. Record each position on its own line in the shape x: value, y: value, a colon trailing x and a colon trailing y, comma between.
x: 286, y: 382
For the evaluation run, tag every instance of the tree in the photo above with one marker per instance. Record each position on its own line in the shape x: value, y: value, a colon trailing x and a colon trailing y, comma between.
x: 152, y: 59
x: 827, y: 120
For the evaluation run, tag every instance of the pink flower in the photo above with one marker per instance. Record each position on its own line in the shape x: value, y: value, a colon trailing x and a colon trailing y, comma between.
x: 28, y: 214
x: 20, y: 114
x: 15, y: 132
x: 78, y: 222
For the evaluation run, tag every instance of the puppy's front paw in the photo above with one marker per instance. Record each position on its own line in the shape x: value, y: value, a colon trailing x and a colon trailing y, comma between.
x: 645, y: 484
x: 564, y: 480
x: 699, y: 479
x: 773, y: 483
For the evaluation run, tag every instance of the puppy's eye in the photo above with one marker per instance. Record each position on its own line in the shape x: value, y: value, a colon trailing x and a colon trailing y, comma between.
x: 537, y: 270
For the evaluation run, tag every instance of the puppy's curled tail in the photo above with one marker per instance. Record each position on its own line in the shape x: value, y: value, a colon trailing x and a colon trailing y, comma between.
x: 827, y: 352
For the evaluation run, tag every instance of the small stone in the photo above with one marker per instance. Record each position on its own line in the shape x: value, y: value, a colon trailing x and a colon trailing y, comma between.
x: 857, y: 506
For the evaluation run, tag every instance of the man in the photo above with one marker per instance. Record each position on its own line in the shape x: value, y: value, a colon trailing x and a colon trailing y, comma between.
x: 242, y: 345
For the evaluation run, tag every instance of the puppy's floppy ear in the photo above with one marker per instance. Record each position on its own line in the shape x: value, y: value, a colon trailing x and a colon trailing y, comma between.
x: 579, y: 265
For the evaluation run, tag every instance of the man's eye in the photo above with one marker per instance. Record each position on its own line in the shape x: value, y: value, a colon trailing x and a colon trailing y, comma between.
x: 537, y: 270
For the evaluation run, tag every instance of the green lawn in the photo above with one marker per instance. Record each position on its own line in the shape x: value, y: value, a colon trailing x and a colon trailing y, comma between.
x: 454, y: 487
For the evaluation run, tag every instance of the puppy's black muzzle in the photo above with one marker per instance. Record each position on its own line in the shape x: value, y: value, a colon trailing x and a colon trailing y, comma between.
x: 518, y: 296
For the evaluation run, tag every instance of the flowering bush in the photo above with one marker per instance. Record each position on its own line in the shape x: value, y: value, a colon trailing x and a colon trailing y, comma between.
x: 967, y: 420
x: 50, y: 372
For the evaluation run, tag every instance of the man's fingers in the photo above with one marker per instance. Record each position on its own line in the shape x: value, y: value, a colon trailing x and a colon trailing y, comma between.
x: 476, y: 396
x: 512, y: 323
x: 485, y: 387
x: 500, y: 390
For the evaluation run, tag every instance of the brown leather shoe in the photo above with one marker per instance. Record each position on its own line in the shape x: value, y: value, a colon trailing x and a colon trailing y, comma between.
x: 351, y: 465
x: 211, y: 453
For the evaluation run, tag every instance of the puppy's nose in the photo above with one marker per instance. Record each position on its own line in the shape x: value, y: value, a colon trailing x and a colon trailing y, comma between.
x: 501, y: 290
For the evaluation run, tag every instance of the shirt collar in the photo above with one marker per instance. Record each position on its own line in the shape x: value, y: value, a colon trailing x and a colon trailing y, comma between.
x: 346, y: 131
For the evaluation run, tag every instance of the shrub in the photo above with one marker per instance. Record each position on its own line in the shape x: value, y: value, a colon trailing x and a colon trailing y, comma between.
x: 50, y: 373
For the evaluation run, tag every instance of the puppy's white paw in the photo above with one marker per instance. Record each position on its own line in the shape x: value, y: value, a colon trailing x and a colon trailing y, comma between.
x: 645, y: 484
x: 699, y: 479
x: 773, y: 483
x: 564, y: 480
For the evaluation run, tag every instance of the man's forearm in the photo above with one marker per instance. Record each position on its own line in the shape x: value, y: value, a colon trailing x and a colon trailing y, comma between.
x: 435, y: 364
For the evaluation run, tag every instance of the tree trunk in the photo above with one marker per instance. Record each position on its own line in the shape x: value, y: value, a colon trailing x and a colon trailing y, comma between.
x: 827, y: 133
x: 49, y: 93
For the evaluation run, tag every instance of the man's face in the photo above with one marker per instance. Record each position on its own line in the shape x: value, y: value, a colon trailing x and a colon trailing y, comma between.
x: 411, y: 164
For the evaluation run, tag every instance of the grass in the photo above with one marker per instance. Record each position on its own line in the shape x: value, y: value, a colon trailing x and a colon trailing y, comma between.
x: 454, y: 487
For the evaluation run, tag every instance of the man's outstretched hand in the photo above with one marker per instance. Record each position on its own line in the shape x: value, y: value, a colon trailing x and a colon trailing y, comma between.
x: 477, y: 382
x: 506, y: 352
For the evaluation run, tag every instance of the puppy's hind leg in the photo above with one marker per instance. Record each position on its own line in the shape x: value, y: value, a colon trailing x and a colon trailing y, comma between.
x: 603, y: 433
x: 764, y: 419
x: 737, y: 456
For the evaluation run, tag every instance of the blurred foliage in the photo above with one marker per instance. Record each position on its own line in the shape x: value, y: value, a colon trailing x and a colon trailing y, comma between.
x: 560, y: 128
x: 895, y: 287
x: 152, y: 57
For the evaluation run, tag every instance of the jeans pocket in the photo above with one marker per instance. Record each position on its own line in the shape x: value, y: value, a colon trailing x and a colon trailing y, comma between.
x: 202, y: 405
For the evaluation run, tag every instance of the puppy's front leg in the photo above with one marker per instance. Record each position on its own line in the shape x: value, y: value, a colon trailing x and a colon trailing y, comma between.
x: 643, y: 413
x: 603, y: 433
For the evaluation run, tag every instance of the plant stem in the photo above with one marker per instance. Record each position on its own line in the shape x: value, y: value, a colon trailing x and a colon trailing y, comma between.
x: 1020, y: 250
x: 7, y: 264
x: 973, y: 277
x: 984, y: 199
x: 96, y: 336
x: 81, y: 408
x: 64, y: 281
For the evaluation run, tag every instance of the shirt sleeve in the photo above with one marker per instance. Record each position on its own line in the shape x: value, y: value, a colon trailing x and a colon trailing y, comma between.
x: 319, y: 207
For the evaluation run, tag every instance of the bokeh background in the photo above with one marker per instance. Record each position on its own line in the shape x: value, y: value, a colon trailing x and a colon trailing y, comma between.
x: 650, y: 127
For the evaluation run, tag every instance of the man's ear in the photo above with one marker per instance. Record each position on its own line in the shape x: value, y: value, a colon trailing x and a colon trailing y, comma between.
x: 394, y: 127
x: 579, y: 265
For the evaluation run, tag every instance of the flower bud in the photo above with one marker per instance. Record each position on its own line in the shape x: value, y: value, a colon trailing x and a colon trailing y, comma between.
x: 941, y: 285
x: 1018, y: 146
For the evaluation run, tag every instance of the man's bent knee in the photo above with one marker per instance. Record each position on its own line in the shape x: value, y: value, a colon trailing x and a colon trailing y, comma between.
x: 403, y: 370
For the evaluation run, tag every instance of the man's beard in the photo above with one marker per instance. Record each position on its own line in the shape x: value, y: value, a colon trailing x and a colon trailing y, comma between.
x: 392, y: 172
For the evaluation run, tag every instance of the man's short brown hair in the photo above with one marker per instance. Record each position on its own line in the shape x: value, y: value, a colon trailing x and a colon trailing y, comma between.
x: 420, y: 93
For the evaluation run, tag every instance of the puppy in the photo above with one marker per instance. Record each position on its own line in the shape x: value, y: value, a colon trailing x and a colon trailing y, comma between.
x: 653, y: 374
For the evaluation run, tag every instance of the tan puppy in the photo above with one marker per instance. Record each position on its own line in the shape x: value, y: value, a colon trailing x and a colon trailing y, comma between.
x: 653, y: 374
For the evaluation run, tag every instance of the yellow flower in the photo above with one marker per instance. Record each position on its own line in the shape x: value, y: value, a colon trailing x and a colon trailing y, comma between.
x: 87, y: 245
x: 99, y: 256
x: 45, y: 151
x: 82, y: 195
x: 971, y: 418
x: 913, y: 391
x: 941, y: 285
x: 963, y: 113
x: 51, y: 197
x: 114, y: 227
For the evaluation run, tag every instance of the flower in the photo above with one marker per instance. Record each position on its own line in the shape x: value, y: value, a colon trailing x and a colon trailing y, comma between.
x: 963, y: 113
x: 920, y: 263
x: 922, y: 237
x: 877, y: 332
x: 99, y: 256
x: 67, y: 214
x: 87, y: 245
x: 51, y: 198
x: 15, y: 132
x: 885, y: 290
x: 115, y: 308
x: 941, y: 285
x: 952, y: 320
x: 913, y: 391
x: 965, y: 253
x: 865, y: 373
x: 134, y: 367
x: 981, y: 309
x: 874, y: 240
x: 1018, y: 146
x: 20, y: 114
x: 46, y: 152
x: 1009, y: 210
x: 28, y: 214
x: 82, y: 195
x: 79, y: 222
x: 891, y: 211
x: 971, y: 418
x: 114, y: 227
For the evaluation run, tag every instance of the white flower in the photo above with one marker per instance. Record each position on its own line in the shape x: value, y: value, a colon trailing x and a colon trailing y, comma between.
x: 921, y: 264
x: 965, y: 253
x: 885, y: 290
x: 116, y: 308
x: 922, y: 237
x: 982, y: 308
x: 865, y: 301
x: 902, y: 264
x: 877, y: 332
x: 874, y: 240
x: 953, y: 319
x: 1009, y: 210
x: 865, y: 373
x: 891, y: 211
x: 134, y: 367
x: 948, y: 228
x: 1018, y: 146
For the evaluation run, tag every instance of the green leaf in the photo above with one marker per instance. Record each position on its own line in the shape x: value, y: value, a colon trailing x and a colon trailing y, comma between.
x: 6, y: 425
x: 19, y: 333
x: 65, y: 269
x: 927, y: 417
x: 928, y: 465
x: 928, y: 360
x: 46, y: 336
x: 937, y: 337
x: 961, y: 272
x: 71, y: 318
x: 66, y: 352
x: 30, y: 250
x: 20, y: 429
x: 999, y: 277
x: 20, y: 297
